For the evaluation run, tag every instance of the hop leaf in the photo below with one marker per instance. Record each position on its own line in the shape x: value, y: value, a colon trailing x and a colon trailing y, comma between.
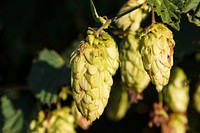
x: 133, y: 74
x: 176, y: 93
x: 168, y: 11
x: 93, y: 65
x: 157, y: 53
x: 50, y: 67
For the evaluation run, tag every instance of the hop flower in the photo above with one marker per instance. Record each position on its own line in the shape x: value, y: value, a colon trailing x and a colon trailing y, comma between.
x: 157, y: 53
x: 176, y: 124
x: 132, y: 70
x: 196, y: 98
x: 176, y: 93
x: 133, y: 19
x: 93, y: 65
x: 57, y: 121
x: 118, y: 103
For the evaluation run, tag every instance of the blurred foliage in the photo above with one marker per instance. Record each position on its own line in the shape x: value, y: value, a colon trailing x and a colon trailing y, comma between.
x: 27, y: 27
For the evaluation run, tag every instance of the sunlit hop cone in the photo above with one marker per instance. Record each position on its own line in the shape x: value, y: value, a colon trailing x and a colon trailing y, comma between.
x: 93, y: 65
x: 196, y: 98
x: 176, y: 93
x: 177, y: 124
x: 157, y: 53
x: 133, y: 74
x: 133, y: 19
x: 57, y: 121
x: 118, y: 103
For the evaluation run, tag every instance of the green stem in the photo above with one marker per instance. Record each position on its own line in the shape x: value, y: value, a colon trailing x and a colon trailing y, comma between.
x: 160, y: 97
x: 124, y: 13
x: 153, y: 21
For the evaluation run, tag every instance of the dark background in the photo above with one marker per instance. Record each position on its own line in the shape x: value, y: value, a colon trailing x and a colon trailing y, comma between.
x: 28, y: 26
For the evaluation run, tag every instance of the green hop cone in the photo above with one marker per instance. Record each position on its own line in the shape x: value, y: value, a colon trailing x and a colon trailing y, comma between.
x: 176, y: 93
x: 196, y: 98
x: 57, y: 121
x: 93, y: 65
x: 157, y: 53
x: 118, y: 103
x: 133, y: 19
x: 133, y: 74
x: 176, y: 124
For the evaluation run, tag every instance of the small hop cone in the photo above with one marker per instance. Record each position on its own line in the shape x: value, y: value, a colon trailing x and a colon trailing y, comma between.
x: 93, y: 65
x: 176, y: 93
x: 196, y: 98
x: 118, y: 103
x: 177, y: 124
x: 133, y: 74
x: 57, y: 121
x: 157, y: 53
x: 133, y: 19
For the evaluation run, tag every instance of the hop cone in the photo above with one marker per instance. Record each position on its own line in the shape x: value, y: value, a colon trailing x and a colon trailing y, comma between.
x: 58, y: 121
x: 176, y: 93
x: 93, y: 65
x: 133, y: 19
x: 132, y: 70
x: 157, y: 53
x: 176, y: 124
x: 196, y: 98
x: 118, y: 103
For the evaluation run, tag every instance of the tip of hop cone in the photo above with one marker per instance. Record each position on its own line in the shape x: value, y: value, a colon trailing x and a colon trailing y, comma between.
x: 159, y: 88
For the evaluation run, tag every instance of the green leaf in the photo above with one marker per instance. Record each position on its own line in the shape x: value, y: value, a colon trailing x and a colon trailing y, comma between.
x: 190, y: 4
x: 169, y: 12
x: 51, y: 57
x: 192, y: 8
x: 47, y: 74
x: 13, y: 119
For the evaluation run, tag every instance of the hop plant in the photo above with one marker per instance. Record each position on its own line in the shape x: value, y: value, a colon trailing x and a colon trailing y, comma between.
x: 93, y: 65
x: 196, y: 98
x: 133, y: 19
x: 176, y: 124
x: 157, y: 53
x: 133, y: 74
x: 176, y: 93
x: 118, y: 103
x: 57, y: 121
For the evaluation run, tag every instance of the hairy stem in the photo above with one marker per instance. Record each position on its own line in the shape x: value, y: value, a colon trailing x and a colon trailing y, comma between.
x: 153, y: 21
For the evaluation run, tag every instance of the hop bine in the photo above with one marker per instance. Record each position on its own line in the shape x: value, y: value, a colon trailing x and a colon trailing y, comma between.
x: 157, y: 53
x: 93, y: 65
x: 133, y: 74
